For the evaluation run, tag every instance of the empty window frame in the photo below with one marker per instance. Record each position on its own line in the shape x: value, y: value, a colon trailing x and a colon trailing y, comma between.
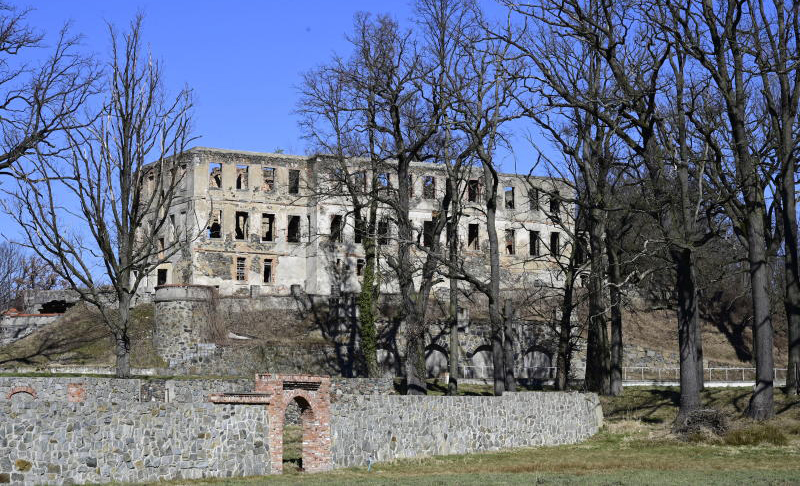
x: 241, y: 264
x: 268, y: 270
x: 293, y: 230
x: 383, y: 179
x: 555, y: 206
x: 360, y: 264
x: 161, y: 248
x: 383, y: 232
x: 533, y: 199
x: 267, y: 227
x: 510, y: 244
x: 410, y: 186
x: 337, y: 228
x: 555, y: 244
x: 474, y: 190
x: 267, y: 178
x: 241, y: 177
x: 242, y: 225
x: 533, y: 243
x: 427, y: 234
x: 509, y: 192
x: 215, y: 175
x: 294, y: 181
x: 473, y: 243
x: 429, y: 187
x: 161, y: 276
x: 215, y: 225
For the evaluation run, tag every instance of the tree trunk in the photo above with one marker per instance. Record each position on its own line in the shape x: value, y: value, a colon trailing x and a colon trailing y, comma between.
x: 598, y: 358
x: 691, y: 360
x: 508, y: 346
x: 122, y: 342
x: 366, y: 306
x: 761, y: 403
x: 495, y: 317
x: 564, y: 357
x: 615, y: 295
x: 415, y: 366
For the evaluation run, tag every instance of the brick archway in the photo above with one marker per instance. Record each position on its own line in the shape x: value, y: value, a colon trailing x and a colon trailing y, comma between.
x: 312, y: 394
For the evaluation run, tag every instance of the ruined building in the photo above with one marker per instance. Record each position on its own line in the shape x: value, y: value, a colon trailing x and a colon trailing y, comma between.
x: 258, y: 223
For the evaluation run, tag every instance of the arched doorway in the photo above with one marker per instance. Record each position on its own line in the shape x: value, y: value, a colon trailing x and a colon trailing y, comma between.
x: 435, y: 361
x: 536, y: 365
x: 293, y: 437
x: 481, y: 363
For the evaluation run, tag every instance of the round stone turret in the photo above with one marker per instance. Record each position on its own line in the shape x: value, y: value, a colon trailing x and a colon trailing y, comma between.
x: 183, y: 317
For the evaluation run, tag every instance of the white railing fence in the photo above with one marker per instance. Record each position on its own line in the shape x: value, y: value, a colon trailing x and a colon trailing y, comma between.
x: 629, y: 373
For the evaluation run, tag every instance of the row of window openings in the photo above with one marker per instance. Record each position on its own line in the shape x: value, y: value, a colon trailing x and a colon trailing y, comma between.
x: 292, y: 228
x: 268, y: 270
x: 534, y: 241
x: 242, y: 180
x: 473, y: 241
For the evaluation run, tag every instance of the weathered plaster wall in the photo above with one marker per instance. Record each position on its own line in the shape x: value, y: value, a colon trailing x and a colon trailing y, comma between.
x: 383, y: 428
x: 56, y: 443
x: 14, y: 327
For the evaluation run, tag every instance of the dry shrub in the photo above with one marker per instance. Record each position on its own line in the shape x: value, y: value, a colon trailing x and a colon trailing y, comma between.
x: 756, y: 434
x: 701, y: 424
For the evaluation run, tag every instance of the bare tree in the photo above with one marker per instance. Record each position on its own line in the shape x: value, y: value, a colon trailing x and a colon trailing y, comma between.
x: 37, y: 102
x: 99, y: 215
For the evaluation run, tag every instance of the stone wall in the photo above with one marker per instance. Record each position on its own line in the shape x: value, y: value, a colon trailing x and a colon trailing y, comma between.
x: 56, y: 443
x: 383, y: 428
x: 96, y: 389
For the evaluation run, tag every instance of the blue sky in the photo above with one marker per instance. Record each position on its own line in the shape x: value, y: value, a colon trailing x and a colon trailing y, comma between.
x: 243, y: 59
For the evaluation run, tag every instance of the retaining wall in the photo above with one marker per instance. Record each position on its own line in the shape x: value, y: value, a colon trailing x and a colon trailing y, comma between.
x: 57, y: 443
x: 383, y: 428
x: 157, y: 390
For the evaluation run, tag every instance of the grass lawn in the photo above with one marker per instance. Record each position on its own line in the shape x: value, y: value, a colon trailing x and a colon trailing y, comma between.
x: 634, y: 447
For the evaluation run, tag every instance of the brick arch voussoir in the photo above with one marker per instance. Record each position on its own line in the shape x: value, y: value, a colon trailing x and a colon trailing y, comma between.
x: 21, y: 389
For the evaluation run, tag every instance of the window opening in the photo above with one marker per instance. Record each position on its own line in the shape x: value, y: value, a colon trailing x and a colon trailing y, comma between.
x: 509, y: 242
x: 293, y: 230
x: 268, y: 270
x: 473, y: 190
x: 242, y: 225
x: 533, y: 248
x: 215, y: 228
x: 533, y: 199
x: 161, y: 279
x: 268, y: 175
x: 509, y: 190
x: 555, y: 247
x: 429, y: 187
x: 241, y: 177
x: 240, y: 268
x: 267, y: 227
x: 360, y: 264
x: 427, y: 234
x: 215, y: 175
x: 294, y: 181
x: 337, y: 228
x: 472, y: 237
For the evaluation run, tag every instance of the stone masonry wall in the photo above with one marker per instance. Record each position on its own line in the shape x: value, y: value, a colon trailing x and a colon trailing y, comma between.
x: 383, y: 428
x: 57, y: 443
x: 55, y: 389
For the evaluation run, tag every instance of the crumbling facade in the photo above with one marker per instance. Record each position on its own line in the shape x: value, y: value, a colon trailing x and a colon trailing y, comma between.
x: 257, y: 224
